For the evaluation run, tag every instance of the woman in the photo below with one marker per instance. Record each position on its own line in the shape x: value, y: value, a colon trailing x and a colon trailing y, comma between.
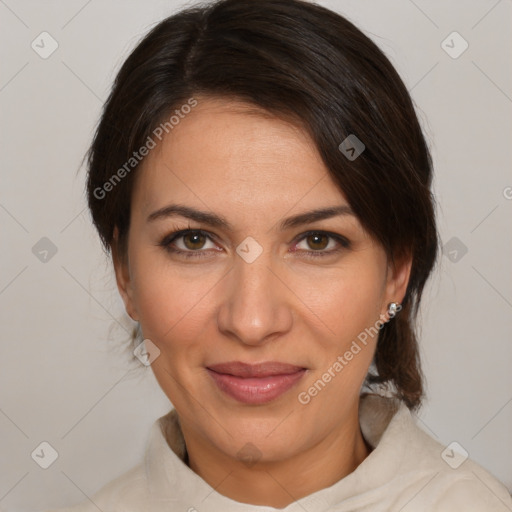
x: 262, y: 182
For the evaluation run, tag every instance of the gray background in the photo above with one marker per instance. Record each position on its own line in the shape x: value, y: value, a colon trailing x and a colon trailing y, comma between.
x: 64, y: 375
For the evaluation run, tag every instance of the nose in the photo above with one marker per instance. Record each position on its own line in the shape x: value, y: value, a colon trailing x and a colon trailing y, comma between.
x: 255, y: 307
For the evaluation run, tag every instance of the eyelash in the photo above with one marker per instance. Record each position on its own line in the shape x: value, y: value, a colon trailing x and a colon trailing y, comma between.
x: 200, y: 253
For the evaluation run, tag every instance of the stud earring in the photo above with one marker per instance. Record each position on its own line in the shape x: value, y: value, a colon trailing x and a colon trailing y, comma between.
x: 393, y: 309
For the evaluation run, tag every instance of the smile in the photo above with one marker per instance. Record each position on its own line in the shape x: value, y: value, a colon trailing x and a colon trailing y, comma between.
x: 255, y: 384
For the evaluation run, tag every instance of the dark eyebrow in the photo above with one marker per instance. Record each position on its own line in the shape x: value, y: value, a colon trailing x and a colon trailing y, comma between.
x: 218, y: 221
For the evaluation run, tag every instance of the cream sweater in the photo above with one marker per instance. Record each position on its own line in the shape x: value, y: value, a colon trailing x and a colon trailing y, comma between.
x: 407, y: 471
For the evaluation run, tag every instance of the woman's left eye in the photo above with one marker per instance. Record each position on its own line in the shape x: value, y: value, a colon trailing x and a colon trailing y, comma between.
x: 193, y: 241
x: 320, y: 242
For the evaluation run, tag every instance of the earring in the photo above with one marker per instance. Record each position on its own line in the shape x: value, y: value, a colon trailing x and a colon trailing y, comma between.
x: 393, y: 309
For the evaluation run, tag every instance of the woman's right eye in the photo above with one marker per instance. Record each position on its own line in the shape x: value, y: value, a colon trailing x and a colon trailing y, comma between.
x: 188, y: 243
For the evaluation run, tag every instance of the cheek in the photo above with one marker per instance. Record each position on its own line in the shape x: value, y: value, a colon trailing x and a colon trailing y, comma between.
x: 349, y: 303
x: 343, y: 301
x: 172, y: 303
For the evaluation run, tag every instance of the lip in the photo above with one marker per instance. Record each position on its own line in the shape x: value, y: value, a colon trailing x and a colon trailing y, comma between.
x: 255, y: 383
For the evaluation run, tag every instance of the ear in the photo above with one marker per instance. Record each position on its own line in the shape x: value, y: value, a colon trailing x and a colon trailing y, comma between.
x: 123, y: 277
x: 399, y: 272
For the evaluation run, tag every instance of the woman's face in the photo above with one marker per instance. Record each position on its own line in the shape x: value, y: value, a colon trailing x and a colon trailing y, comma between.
x: 255, y: 289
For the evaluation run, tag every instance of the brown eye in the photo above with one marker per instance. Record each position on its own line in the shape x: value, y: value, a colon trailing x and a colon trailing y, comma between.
x: 194, y: 240
x: 189, y: 243
x: 318, y: 241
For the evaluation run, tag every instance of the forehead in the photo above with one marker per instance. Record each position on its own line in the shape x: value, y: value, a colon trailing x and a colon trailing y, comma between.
x: 226, y: 153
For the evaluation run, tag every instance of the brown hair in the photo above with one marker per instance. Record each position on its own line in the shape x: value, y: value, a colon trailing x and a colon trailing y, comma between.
x: 301, y: 61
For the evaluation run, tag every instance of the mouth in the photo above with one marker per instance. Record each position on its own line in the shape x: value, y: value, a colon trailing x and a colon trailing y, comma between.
x: 255, y: 383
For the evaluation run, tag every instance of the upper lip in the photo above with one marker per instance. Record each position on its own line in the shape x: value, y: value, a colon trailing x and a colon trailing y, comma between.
x: 240, y: 369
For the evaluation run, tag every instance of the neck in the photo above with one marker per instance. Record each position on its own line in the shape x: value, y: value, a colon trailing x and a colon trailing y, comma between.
x: 279, y: 483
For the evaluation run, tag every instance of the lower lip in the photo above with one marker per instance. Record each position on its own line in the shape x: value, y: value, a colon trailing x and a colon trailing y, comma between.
x: 255, y: 390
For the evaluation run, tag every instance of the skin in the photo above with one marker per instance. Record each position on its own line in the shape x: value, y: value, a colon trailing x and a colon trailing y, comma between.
x: 255, y: 170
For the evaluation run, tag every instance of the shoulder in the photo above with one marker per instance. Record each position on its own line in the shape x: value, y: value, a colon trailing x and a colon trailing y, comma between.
x: 457, y: 482
x: 154, y: 479
x: 126, y: 493
x: 417, y: 472
x: 473, y: 493
x: 448, y: 479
